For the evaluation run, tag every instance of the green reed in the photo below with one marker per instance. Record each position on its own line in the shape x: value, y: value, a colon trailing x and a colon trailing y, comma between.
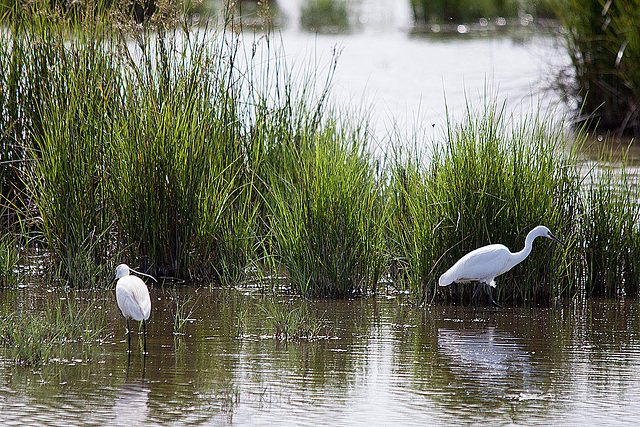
x: 191, y: 154
x: 70, y: 72
x: 180, y: 182
x: 24, y: 58
x: 325, y: 215
x: 9, y: 257
x: 610, y: 236
x: 143, y: 152
x: 488, y: 181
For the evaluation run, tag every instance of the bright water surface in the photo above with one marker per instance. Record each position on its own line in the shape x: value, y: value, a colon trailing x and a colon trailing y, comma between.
x: 379, y: 361
x: 409, y: 81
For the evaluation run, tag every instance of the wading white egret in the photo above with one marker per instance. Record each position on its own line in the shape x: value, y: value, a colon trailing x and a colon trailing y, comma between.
x: 484, y: 264
x: 133, y: 299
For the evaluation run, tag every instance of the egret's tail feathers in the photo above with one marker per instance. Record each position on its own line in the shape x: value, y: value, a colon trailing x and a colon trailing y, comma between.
x: 444, y: 281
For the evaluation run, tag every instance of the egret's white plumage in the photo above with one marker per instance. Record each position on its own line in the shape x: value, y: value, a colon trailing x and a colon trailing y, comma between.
x: 133, y: 298
x: 486, y: 263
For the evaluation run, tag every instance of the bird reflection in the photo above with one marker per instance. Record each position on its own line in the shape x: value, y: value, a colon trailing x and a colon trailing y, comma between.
x: 130, y: 406
x: 486, y: 355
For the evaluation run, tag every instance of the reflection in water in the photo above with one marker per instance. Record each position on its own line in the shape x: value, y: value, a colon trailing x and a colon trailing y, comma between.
x: 130, y: 408
x: 487, y: 356
x: 131, y: 404
x: 492, y: 364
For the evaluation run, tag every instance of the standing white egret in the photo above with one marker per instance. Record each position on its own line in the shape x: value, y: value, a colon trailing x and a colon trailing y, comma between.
x: 484, y: 264
x: 133, y: 299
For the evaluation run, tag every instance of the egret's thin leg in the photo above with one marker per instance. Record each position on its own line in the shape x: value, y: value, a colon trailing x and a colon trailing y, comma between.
x: 475, y: 296
x: 128, y: 335
x: 128, y: 364
x: 144, y: 364
x: 144, y: 329
x: 491, y: 300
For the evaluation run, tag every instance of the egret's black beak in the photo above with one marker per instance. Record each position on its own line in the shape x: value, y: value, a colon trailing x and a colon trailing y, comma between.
x: 552, y: 237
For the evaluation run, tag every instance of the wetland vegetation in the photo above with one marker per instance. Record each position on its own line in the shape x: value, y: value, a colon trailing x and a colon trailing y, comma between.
x: 169, y: 146
x: 298, y: 249
x: 197, y: 156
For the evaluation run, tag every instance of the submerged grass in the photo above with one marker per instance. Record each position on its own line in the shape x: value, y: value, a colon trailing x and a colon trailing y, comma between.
x: 290, y: 321
x: 181, y: 314
x: 35, y: 339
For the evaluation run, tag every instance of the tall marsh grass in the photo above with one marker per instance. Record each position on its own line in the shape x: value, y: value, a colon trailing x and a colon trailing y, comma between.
x: 9, y: 257
x: 68, y: 180
x: 326, y: 213
x: 610, y: 235
x: 192, y: 152
x: 181, y: 186
x: 134, y: 143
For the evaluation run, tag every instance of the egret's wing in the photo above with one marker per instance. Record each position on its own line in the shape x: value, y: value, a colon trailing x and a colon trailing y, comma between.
x: 133, y: 298
x: 482, y: 264
x: 141, y: 294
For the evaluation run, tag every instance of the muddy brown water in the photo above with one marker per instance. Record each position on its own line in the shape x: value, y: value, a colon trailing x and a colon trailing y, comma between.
x: 377, y: 361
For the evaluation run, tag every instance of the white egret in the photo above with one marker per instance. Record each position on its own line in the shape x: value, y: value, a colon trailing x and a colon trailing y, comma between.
x: 484, y: 264
x: 133, y: 299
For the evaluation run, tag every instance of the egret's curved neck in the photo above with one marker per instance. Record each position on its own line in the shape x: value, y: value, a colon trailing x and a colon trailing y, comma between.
x: 518, y: 257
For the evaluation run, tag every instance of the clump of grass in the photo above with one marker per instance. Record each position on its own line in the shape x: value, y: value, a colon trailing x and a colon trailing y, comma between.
x: 325, y: 216
x: 429, y: 11
x: 325, y: 16
x: 178, y: 163
x: 182, y: 314
x: 610, y: 236
x: 603, y: 40
x: 34, y: 339
x: 151, y: 149
x: 290, y: 321
x: 490, y: 181
x: 67, y: 91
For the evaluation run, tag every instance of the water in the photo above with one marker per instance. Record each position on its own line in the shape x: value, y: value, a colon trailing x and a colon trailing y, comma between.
x: 410, y: 82
x: 378, y: 361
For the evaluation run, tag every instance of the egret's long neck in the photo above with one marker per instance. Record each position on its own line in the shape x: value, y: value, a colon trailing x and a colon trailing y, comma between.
x: 518, y: 257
